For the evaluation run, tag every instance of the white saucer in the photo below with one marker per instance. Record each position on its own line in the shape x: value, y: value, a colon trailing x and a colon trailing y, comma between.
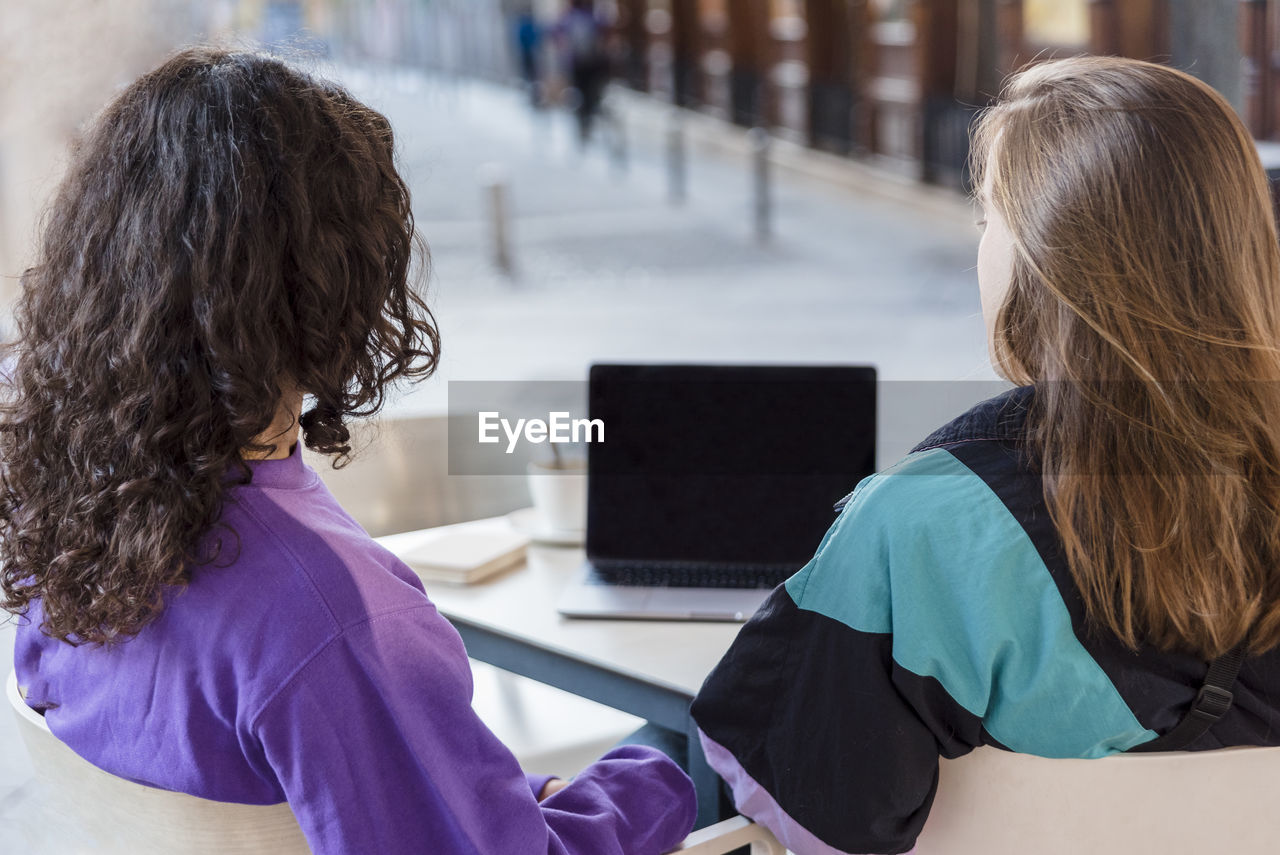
x: 526, y: 520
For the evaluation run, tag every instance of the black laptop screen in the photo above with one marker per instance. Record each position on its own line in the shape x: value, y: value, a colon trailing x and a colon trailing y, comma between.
x: 724, y: 463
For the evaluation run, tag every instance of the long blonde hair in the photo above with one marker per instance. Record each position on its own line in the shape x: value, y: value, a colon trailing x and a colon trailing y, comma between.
x: 1145, y: 307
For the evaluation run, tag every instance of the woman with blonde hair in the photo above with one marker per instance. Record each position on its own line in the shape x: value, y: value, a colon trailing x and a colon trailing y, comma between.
x: 1080, y: 566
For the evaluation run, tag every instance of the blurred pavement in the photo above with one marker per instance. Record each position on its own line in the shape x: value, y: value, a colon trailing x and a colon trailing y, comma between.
x: 607, y: 269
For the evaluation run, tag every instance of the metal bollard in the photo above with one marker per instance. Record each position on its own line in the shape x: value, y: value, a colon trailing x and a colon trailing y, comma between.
x: 495, y: 198
x: 617, y: 136
x: 762, y: 195
x: 676, y: 165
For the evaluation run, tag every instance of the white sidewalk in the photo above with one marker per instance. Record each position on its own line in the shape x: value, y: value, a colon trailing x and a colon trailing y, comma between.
x: 862, y: 267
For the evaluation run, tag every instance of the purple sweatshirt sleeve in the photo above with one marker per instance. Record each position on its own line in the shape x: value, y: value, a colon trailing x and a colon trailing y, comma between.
x: 377, y: 748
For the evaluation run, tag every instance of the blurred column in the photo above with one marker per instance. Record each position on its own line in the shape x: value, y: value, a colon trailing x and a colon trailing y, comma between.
x: 62, y: 60
x: 977, y: 83
x: 1104, y: 28
x: 942, y: 119
x: 660, y: 54
x: 978, y: 76
x: 788, y: 77
x: 1257, y: 78
x: 633, y: 43
x: 1144, y: 29
x: 893, y: 84
x: 1132, y: 28
x: 835, y: 28
x: 748, y: 34
x: 1011, y: 51
x: 1204, y: 41
x: 715, y: 62
x: 685, y: 53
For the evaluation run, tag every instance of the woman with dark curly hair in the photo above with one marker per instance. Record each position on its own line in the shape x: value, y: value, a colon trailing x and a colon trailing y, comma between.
x: 199, y: 614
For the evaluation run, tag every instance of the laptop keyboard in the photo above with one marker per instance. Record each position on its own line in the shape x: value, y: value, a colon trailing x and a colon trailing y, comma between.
x: 675, y: 574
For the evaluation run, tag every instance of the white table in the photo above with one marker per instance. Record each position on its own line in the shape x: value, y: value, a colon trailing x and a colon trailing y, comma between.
x: 650, y: 669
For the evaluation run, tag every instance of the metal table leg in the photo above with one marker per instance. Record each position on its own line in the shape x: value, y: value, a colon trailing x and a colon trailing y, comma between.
x: 659, y: 704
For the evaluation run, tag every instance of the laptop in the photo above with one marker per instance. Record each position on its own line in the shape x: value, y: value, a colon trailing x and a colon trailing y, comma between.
x: 714, y: 483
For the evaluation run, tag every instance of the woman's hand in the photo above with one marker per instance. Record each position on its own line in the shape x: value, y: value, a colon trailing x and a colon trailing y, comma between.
x: 552, y: 787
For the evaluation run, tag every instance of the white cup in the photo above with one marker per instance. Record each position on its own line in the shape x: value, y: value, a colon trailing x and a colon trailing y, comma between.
x: 559, y: 496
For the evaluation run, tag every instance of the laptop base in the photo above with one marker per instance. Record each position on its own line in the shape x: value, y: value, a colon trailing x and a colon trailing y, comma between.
x: 586, y: 597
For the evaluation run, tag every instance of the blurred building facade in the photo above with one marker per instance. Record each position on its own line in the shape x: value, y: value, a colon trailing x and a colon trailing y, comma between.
x: 898, y: 81
x: 893, y: 81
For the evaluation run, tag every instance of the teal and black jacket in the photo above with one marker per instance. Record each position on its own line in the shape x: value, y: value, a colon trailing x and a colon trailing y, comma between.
x: 937, y: 615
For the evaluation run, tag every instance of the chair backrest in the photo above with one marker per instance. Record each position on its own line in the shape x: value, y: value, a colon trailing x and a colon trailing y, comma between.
x: 994, y: 802
x: 119, y: 816
x: 731, y: 835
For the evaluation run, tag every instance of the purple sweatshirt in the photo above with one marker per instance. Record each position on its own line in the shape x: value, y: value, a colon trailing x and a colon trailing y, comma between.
x: 313, y: 669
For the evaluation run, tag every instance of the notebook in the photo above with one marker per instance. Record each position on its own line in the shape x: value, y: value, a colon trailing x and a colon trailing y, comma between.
x: 715, y: 483
x: 466, y: 552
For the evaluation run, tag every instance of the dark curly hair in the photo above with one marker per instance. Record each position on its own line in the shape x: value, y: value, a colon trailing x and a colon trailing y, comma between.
x: 230, y: 230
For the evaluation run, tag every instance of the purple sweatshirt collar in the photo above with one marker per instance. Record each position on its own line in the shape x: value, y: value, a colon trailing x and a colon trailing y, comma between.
x: 287, y: 473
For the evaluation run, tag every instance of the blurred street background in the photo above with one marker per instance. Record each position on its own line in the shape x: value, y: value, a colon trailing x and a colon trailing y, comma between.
x: 779, y: 180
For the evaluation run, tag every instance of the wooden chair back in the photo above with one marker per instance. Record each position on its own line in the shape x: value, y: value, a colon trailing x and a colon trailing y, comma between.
x: 119, y: 817
x: 994, y: 802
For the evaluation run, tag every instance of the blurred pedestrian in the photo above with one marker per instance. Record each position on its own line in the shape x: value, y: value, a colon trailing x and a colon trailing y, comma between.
x: 528, y: 35
x: 581, y: 34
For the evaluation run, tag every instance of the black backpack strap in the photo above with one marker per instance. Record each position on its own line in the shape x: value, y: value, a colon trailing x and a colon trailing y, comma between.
x: 1211, y: 704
